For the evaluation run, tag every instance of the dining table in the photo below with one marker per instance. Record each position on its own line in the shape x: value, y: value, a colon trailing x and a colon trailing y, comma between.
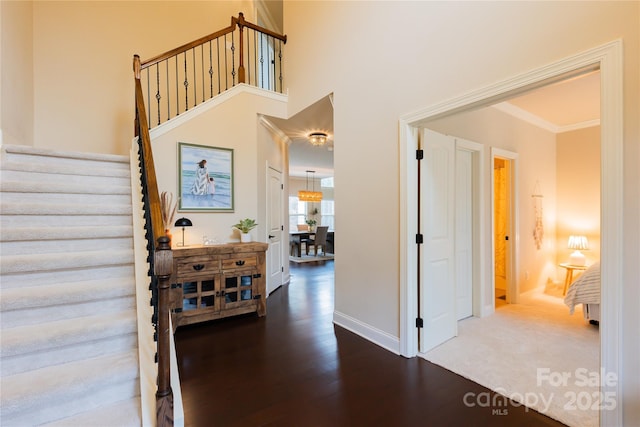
x: 297, y: 237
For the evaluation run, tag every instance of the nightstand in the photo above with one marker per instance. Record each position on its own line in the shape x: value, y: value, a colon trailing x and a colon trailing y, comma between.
x: 569, y: 277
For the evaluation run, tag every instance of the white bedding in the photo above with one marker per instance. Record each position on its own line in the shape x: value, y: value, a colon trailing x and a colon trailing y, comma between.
x: 585, y: 290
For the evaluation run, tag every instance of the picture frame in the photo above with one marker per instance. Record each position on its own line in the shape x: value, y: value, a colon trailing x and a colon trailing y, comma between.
x: 205, y: 178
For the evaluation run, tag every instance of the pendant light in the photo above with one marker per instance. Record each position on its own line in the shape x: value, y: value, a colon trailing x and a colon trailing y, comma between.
x: 310, y: 195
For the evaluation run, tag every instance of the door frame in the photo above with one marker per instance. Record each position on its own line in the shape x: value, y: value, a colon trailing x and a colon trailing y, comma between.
x: 513, y: 288
x: 608, y: 59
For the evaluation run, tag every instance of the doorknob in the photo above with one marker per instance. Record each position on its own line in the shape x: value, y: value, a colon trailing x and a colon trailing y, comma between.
x: 271, y: 237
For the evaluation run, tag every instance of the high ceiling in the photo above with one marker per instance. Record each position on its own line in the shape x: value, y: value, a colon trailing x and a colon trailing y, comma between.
x: 558, y: 107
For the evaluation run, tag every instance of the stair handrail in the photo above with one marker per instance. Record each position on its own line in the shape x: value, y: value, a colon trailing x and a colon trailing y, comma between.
x: 191, y: 68
x: 160, y: 256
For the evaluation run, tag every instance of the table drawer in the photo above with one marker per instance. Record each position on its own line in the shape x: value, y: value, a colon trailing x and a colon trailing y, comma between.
x: 197, y: 266
x: 239, y: 262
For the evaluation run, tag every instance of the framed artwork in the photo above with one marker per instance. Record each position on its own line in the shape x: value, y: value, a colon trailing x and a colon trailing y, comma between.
x: 205, y: 178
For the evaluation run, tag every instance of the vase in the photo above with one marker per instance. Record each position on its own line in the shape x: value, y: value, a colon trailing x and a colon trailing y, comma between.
x: 245, y: 237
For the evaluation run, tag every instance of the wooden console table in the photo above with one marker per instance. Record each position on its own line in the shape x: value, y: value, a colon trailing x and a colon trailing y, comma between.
x: 212, y: 282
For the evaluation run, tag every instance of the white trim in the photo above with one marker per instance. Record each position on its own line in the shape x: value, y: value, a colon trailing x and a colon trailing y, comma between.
x: 608, y: 58
x: 282, y: 137
x: 409, y: 137
x: 368, y: 332
x: 481, y: 307
x: 528, y: 117
x: 182, y: 118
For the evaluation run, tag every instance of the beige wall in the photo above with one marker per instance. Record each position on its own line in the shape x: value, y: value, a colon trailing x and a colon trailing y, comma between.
x: 232, y: 124
x: 16, y: 76
x: 578, y: 189
x: 384, y: 60
x: 83, y: 78
x: 536, y: 165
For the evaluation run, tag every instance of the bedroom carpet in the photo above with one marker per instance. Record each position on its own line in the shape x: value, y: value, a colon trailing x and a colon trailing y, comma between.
x: 520, y: 352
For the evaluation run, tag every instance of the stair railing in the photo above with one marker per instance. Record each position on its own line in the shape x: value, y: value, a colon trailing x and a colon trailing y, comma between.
x: 187, y: 76
x: 160, y: 257
x: 203, y: 75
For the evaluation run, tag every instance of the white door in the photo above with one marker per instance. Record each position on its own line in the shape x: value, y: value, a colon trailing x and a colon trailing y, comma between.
x: 464, y: 233
x: 437, y: 263
x: 275, y: 226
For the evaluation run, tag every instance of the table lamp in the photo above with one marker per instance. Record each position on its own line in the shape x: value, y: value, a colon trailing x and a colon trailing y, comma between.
x: 183, y: 222
x: 578, y: 243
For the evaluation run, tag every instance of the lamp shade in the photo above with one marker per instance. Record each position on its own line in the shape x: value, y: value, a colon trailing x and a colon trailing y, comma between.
x: 183, y: 222
x: 578, y: 243
x: 317, y: 138
x: 309, y: 196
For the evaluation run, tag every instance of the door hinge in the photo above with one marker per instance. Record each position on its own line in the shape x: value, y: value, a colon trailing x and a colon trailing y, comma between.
x: 282, y: 269
x: 419, y: 154
x: 419, y: 322
x: 506, y: 237
x: 282, y: 228
x: 419, y: 239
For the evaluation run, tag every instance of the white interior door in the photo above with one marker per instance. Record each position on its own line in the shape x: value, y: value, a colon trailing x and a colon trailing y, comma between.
x: 275, y: 226
x: 437, y: 210
x: 464, y: 233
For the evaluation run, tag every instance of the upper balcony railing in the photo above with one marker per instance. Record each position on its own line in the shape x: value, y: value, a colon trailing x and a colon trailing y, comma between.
x: 187, y: 76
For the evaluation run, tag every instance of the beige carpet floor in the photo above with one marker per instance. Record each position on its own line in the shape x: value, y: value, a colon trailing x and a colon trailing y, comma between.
x: 533, y: 352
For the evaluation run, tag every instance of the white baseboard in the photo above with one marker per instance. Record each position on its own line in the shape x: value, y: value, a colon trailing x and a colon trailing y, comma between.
x: 368, y: 332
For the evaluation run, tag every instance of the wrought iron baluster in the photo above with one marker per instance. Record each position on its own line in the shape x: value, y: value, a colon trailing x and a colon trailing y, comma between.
x: 202, y: 70
x: 233, y: 60
x: 218, y: 55
x: 210, y: 71
x: 168, y: 97
x: 177, y: 88
x: 280, y: 60
x: 273, y: 62
x: 186, y: 85
x: 226, y: 67
x: 158, y: 97
x: 195, y: 80
x: 261, y: 61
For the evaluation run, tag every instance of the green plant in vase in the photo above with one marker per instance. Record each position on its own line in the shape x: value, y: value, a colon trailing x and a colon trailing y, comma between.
x: 245, y: 226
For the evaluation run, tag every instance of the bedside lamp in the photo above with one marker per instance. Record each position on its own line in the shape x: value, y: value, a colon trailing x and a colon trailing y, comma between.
x: 183, y: 222
x: 578, y: 243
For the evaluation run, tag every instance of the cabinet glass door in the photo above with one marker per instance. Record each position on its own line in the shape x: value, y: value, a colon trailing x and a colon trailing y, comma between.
x: 238, y: 289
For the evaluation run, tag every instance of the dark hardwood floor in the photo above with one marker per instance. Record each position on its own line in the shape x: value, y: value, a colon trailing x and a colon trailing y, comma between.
x: 295, y: 368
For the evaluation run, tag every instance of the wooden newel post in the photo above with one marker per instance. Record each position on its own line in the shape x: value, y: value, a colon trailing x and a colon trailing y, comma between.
x: 163, y: 266
x: 241, y: 73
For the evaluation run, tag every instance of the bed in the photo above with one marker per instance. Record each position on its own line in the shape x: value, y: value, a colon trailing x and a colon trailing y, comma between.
x: 586, y: 291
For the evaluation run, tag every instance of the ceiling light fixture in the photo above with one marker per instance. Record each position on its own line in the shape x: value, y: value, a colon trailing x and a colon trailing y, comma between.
x: 310, y: 195
x: 317, y: 138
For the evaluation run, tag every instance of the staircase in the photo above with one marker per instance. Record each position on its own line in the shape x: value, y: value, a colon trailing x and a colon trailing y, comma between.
x: 69, y: 343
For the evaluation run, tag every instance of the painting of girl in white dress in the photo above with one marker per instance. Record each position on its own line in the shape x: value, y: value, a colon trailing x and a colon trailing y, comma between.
x: 205, y: 178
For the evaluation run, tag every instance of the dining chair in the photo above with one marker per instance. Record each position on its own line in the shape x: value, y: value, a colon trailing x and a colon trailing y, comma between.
x: 320, y: 240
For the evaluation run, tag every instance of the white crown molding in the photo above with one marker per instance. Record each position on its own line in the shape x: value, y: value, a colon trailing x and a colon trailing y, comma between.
x: 214, y: 102
x: 282, y: 137
x: 517, y: 112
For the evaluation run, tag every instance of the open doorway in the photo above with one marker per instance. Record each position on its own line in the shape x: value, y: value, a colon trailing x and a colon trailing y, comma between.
x: 611, y: 131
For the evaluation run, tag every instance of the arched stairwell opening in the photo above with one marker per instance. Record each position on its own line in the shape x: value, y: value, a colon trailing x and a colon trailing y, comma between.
x: 74, y: 305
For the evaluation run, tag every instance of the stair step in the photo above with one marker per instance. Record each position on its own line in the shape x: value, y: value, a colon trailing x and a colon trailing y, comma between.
x: 33, y: 155
x: 61, y: 391
x: 32, y: 220
x: 69, y: 332
x: 51, y: 186
x: 64, y: 233
x: 71, y: 260
x: 45, y: 278
x: 67, y: 245
x: 78, y: 170
x: 125, y: 413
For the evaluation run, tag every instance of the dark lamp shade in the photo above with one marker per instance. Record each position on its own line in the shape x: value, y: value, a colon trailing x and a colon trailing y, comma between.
x: 183, y: 222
